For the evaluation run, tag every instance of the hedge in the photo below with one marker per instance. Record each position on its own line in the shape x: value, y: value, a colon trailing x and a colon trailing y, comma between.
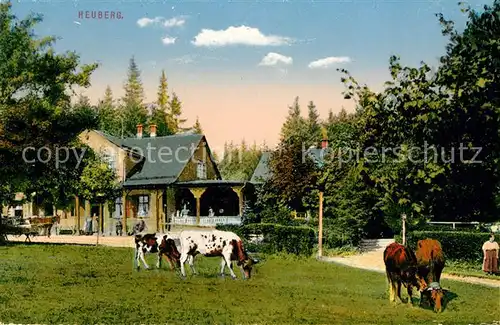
x: 456, y: 245
x: 277, y: 238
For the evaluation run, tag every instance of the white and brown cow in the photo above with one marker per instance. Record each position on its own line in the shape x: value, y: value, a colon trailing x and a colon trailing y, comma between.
x: 211, y: 243
x: 148, y: 243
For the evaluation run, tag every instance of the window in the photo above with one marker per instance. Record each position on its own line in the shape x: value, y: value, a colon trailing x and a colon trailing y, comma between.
x: 201, y: 171
x: 143, y: 208
x: 110, y: 158
x: 118, y: 207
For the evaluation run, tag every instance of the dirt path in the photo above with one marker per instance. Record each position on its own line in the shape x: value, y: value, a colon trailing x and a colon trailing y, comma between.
x: 373, y: 261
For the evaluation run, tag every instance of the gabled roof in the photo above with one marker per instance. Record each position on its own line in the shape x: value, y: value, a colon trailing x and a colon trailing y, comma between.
x: 162, y: 159
x: 261, y: 172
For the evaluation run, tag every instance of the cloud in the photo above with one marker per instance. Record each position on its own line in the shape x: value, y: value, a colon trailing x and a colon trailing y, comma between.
x: 167, y: 40
x: 273, y: 59
x: 241, y: 35
x: 174, y: 22
x: 328, y: 62
x: 143, y: 22
x: 167, y: 23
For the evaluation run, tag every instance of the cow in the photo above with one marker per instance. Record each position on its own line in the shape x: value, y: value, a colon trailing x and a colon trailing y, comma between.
x: 148, y: 243
x: 211, y: 243
x: 430, y: 264
x: 401, y: 268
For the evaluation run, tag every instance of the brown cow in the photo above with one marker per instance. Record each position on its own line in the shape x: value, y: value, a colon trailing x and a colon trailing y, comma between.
x: 148, y: 243
x: 431, y: 262
x: 401, y: 268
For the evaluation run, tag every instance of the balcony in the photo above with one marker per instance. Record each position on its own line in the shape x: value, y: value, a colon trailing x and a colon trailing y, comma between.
x: 207, y: 221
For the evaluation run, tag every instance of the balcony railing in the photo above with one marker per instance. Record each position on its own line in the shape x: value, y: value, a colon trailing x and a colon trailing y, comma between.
x: 207, y: 221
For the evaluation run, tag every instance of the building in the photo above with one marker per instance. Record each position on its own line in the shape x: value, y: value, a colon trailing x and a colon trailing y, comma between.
x: 166, y: 181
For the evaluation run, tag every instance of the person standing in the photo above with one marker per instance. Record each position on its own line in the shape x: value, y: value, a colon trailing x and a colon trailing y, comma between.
x: 491, y: 252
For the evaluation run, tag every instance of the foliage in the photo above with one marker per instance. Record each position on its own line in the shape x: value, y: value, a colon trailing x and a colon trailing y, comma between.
x: 298, y: 240
x: 35, y: 108
x: 313, y: 125
x: 197, y: 127
x: 293, y: 176
x: 239, y: 162
x: 439, y: 112
x: 98, y: 183
x: 163, y: 98
x: 295, y: 128
x: 282, y: 291
x: 175, y: 121
x: 109, y: 118
x: 456, y: 245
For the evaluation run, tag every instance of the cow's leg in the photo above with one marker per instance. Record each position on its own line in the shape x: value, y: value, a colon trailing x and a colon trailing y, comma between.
x: 137, y: 264
x: 227, y: 258
x: 158, y: 263
x: 409, y: 290
x: 191, y: 264
x: 141, y: 256
x: 183, y: 260
x: 222, y: 266
x: 399, y: 291
x: 392, y: 291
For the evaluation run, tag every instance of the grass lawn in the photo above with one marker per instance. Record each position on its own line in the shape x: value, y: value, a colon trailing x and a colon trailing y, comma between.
x: 468, y: 269
x: 54, y: 284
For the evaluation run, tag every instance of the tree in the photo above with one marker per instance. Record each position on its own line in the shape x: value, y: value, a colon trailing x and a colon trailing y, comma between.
x: 445, y: 112
x: 132, y: 110
x: 174, y: 115
x: 295, y: 124
x: 35, y: 104
x: 293, y: 175
x: 109, y: 121
x: 197, y: 127
x: 163, y: 100
x: 98, y: 183
x: 134, y: 92
x: 239, y: 162
x: 313, y: 125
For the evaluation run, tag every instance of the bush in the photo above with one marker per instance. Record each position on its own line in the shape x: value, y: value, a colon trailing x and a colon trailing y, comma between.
x: 276, y: 238
x: 457, y: 245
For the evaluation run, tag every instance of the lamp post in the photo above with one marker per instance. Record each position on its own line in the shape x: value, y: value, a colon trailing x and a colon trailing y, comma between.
x: 99, y: 218
x: 320, y: 230
x: 403, y: 218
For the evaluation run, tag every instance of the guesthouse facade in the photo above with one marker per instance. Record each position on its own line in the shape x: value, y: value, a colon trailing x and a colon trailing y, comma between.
x: 165, y: 181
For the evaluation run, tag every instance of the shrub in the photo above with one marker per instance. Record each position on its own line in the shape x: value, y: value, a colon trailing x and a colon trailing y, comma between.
x: 276, y: 238
x: 456, y: 245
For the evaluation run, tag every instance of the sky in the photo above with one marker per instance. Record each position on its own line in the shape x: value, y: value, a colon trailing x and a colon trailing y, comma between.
x: 238, y: 65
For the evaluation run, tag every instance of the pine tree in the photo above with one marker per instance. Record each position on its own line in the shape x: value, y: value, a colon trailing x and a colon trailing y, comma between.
x: 109, y: 120
x: 313, y: 125
x: 163, y: 100
x: 83, y: 101
x: 294, y: 127
x: 108, y: 97
x: 331, y: 117
x: 160, y: 118
x: 133, y: 111
x: 174, y: 114
x: 197, y: 127
x: 134, y: 91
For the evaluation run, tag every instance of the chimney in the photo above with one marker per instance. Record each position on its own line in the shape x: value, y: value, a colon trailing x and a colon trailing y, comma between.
x: 324, y: 141
x: 139, y: 131
x: 152, y: 130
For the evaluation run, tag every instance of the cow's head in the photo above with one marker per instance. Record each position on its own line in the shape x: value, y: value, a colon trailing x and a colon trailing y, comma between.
x: 436, y: 295
x: 247, y: 266
x: 169, y: 248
